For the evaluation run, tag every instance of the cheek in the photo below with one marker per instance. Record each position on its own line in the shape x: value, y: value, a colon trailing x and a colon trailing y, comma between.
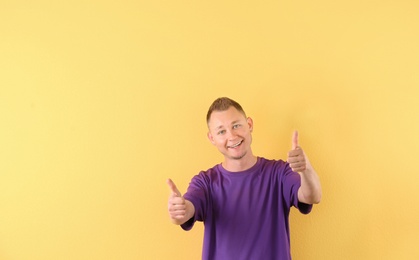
x: 220, y: 141
x: 244, y: 132
x: 249, y: 135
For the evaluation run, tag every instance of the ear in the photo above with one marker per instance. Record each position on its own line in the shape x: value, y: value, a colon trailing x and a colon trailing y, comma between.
x: 210, y: 137
x: 250, y: 124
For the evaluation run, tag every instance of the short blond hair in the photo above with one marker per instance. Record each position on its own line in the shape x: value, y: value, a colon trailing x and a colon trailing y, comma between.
x: 222, y: 104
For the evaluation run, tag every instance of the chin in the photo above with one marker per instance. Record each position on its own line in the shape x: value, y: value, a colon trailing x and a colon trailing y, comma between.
x: 238, y: 157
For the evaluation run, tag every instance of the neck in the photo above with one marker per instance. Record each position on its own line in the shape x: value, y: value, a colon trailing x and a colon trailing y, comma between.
x: 238, y: 165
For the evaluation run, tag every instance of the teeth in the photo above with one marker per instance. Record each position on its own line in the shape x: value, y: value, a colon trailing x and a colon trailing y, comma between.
x: 235, y: 145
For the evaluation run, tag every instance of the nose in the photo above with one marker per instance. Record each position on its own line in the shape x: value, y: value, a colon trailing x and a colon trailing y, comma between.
x: 231, y: 134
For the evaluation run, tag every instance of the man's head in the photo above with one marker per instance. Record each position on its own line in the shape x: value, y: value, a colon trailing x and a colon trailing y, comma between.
x: 223, y: 104
x: 230, y: 130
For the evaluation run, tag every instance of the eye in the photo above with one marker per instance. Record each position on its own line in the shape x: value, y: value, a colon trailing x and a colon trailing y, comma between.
x: 236, y: 126
x: 221, y: 132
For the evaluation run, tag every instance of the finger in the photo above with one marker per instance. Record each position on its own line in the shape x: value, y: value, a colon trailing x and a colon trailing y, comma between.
x: 177, y: 214
x: 173, y: 187
x: 177, y: 209
x: 292, y: 160
x: 180, y: 216
x: 294, y: 140
x: 175, y: 200
x: 298, y: 169
x: 296, y: 152
x: 296, y: 162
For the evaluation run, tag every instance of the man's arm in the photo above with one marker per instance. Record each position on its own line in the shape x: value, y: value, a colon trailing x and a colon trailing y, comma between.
x: 180, y: 210
x: 310, y: 191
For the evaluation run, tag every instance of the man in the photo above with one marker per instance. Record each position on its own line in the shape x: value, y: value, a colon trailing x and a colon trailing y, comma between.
x: 245, y: 201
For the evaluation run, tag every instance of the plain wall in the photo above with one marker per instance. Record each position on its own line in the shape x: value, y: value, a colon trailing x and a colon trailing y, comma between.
x: 102, y: 101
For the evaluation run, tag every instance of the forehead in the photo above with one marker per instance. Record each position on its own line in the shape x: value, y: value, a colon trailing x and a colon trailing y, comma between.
x: 223, y: 118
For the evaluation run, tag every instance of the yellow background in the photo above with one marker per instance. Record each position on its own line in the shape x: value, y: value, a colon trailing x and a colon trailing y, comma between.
x: 101, y: 101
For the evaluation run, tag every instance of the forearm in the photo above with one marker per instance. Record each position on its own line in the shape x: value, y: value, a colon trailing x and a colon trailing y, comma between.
x: 310, y: 191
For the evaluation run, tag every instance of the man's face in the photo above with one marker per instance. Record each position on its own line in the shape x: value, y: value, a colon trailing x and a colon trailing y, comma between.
x: 230, y: 132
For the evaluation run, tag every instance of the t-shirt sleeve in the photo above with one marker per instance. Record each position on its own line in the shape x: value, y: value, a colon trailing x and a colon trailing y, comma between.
x: 291, y: 184
x: 197, y: 194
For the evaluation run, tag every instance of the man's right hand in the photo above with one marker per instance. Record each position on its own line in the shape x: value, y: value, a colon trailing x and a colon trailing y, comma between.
x: 180, y: 210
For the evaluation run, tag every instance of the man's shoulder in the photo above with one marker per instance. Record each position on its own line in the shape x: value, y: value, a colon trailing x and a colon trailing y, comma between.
x: 209, y: 173
x: 272, y: 162
x: 213, y: 170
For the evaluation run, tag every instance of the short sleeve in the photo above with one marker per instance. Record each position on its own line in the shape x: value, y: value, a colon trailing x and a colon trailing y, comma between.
x: 197, y: 194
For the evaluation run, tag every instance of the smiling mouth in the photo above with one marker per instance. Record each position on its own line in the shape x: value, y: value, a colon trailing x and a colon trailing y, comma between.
x: 235, y: 145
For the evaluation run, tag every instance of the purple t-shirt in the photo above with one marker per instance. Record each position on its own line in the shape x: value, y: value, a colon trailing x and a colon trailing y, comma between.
x: 246, y: 213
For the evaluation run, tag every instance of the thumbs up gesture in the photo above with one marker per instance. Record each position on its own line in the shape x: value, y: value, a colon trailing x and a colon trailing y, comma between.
x: 296, y: 157
x: 180, y: 210
x: 310, y: 191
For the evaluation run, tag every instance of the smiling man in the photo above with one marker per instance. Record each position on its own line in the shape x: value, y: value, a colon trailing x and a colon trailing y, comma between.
x: 230, y: 131
x: 244, y: 201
